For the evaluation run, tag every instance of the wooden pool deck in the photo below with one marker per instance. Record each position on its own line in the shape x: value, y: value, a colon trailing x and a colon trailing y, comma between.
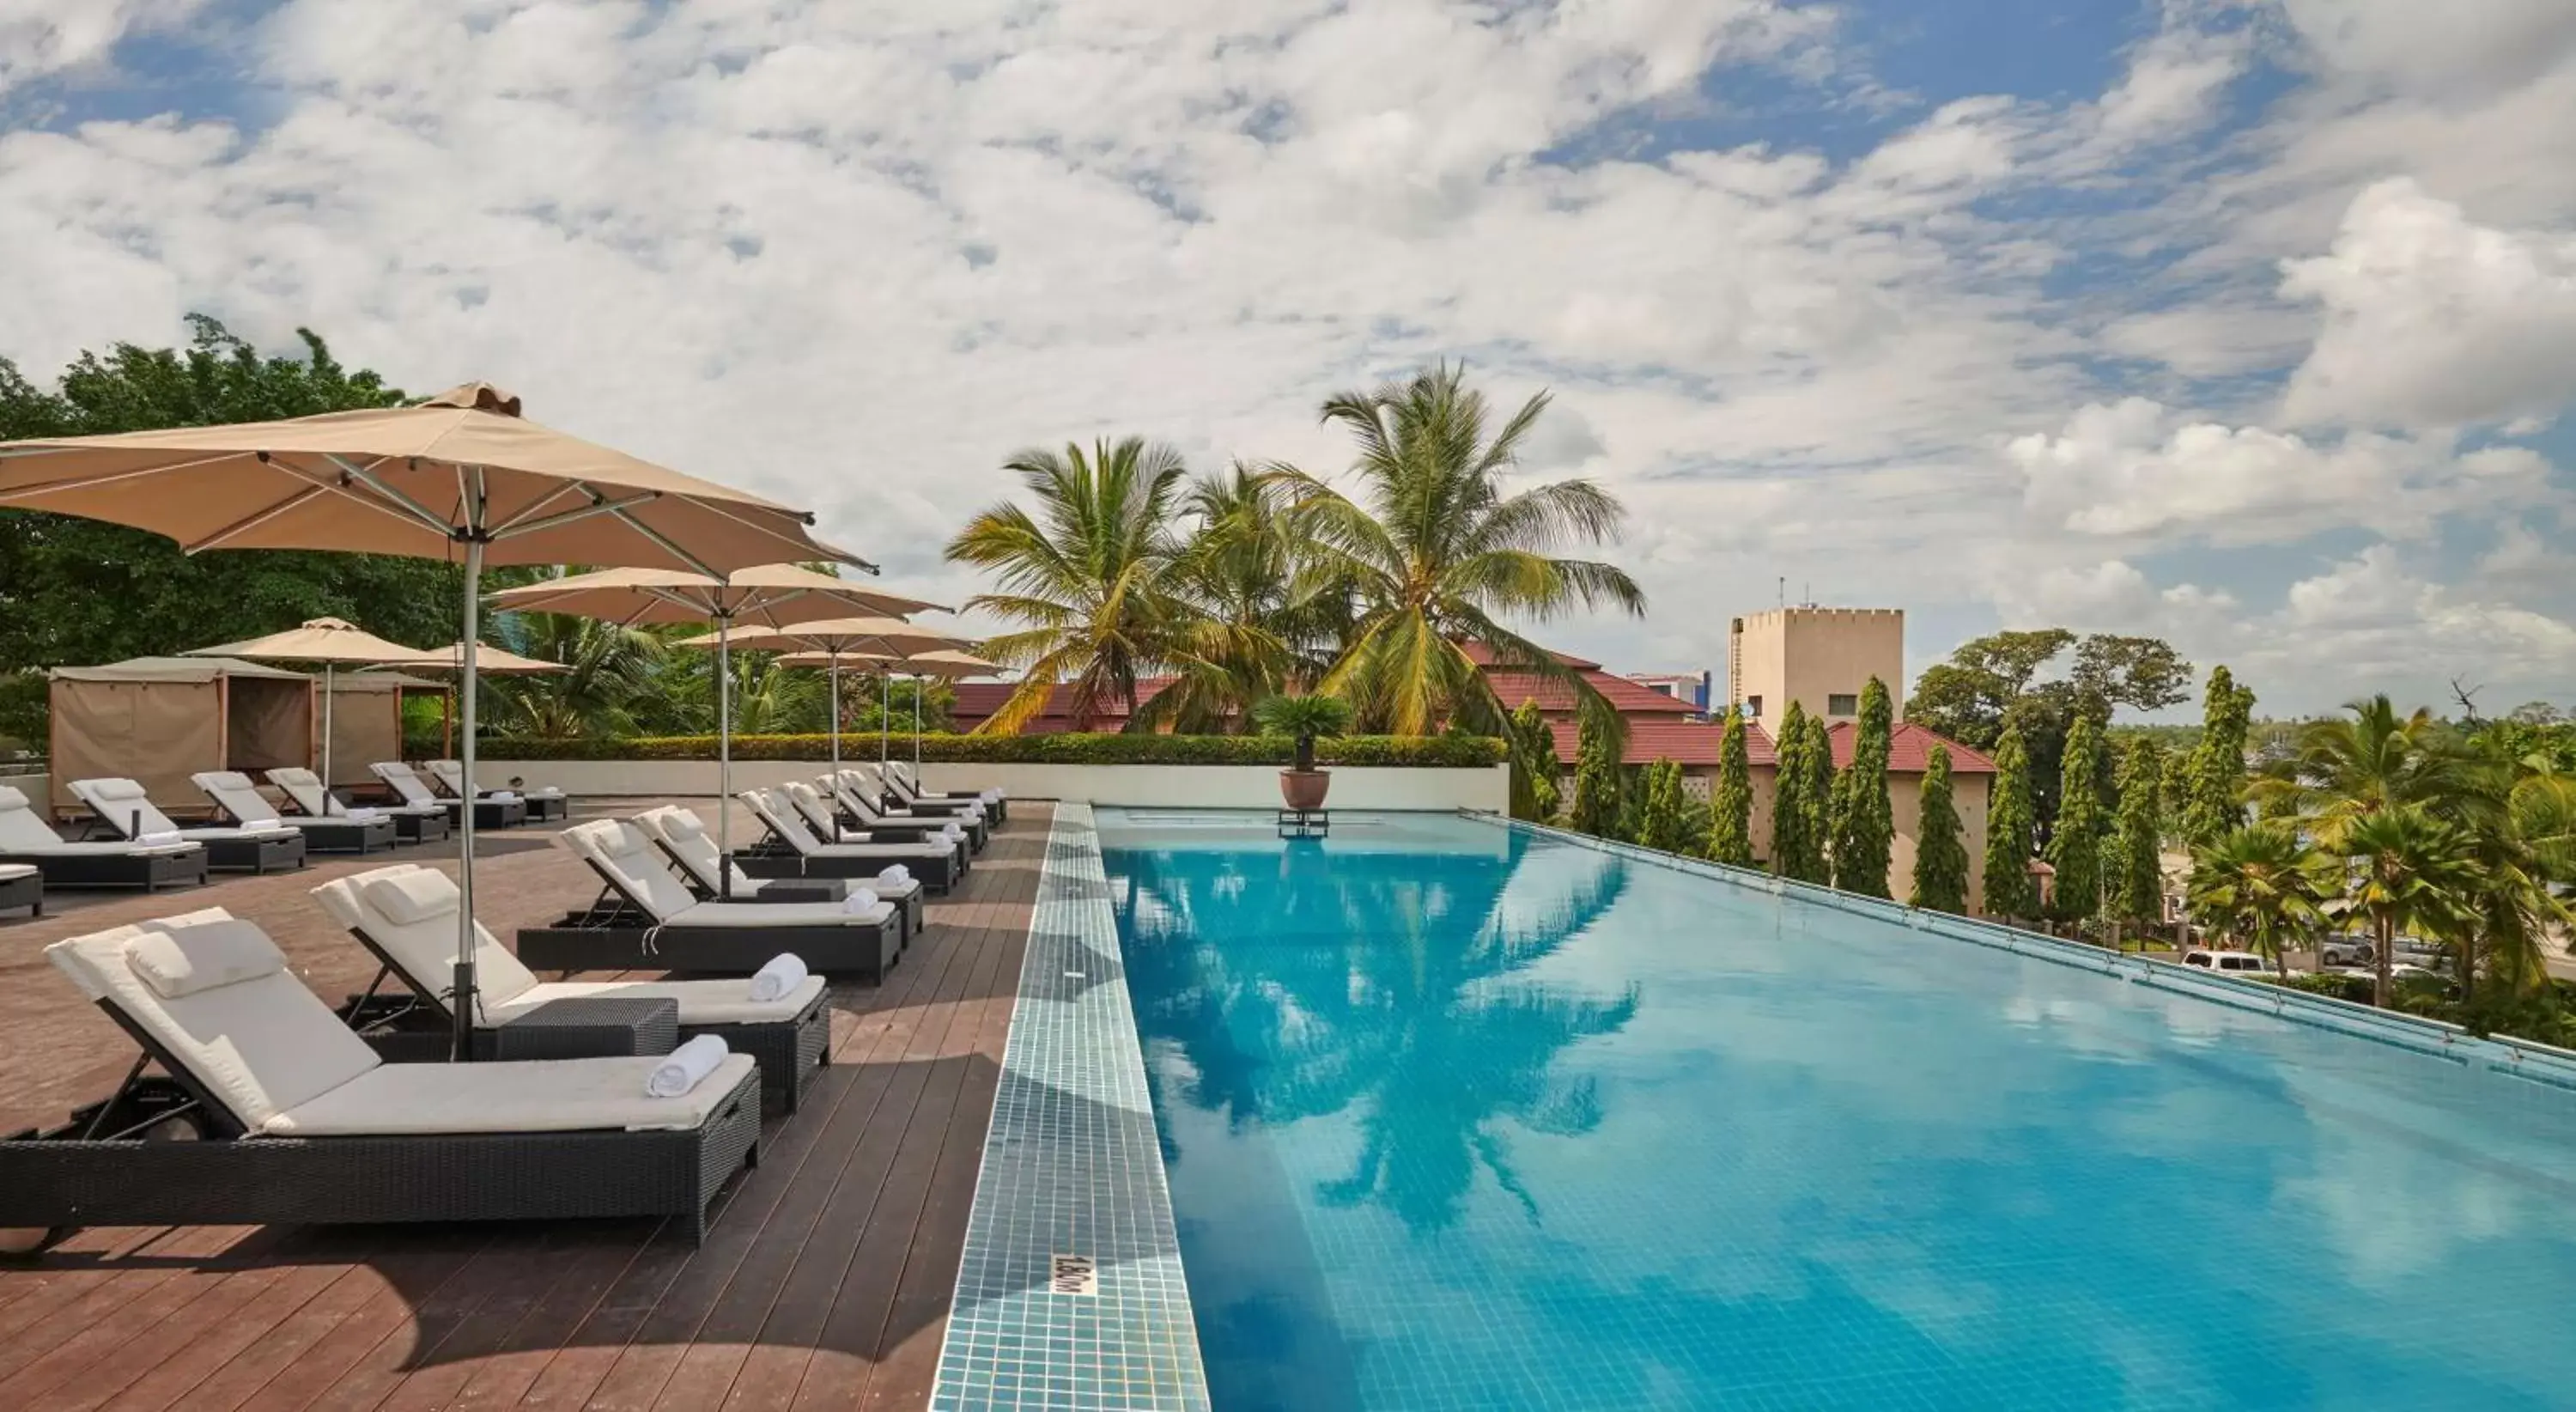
x: 824, y: 1281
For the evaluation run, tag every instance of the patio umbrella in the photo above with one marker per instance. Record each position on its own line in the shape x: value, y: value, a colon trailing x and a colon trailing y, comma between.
x: 832, y: 651
x: 880, y: 639
x: 461, y: 476
x: 489, y: 661
x: 947, y: 665
x: 767, y: 595
x: 332, y: 642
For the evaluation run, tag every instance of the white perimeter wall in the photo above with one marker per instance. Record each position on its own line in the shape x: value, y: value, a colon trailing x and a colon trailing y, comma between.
x: 1485, y: 787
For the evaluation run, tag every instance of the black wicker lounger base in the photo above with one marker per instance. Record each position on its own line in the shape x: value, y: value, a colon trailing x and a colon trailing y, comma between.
x: 545, y: 808
x: 356, y: 838
x: 577, y: 943
x: 148, y: 871
x: 61, y: 1179
x: 27, y: 892
x: 791, y: 1053
x: 489, y: 813
x: 774, y: 861
x: 421, y: 828
x: 254, y: 855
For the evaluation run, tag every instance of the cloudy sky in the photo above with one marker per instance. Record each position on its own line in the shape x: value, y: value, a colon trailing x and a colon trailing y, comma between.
x: 2251, y: 323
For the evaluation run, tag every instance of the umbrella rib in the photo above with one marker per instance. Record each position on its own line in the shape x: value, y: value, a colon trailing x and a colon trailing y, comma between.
x: 30, y: 492
x: 841, y: 554
x: 675, y: 551
x: 250, y: 522
x: 514, y: 528
x: 557, y: 493
x: 366, y: 476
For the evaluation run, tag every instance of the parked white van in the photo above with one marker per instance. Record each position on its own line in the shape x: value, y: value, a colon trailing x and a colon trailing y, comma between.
x: 2226, y: 961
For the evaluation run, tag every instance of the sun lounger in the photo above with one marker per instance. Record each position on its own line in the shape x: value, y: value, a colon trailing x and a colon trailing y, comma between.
x: 490, y: 812
x: 646, y: 919
x: 877, y: 788
x: 683, y: 839
x: 126, y: 810
x: 413, y: 823
x: 26, y: 838
x: 22, y: 885
x: 544, y: 802
x: 302, y: 1123
x: 241, y: 802
x: 406, y: 915
x: 787, y: 834
x: 859, y: 810
x: 902, y: 783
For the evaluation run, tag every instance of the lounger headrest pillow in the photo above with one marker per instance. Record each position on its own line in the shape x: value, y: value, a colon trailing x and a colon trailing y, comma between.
x: 183, y: 958
x: 225, y: 779
x: 116, y: 789
x: 681, y: 825
x: 414, y: 895
x: 292, y: 774
x: 11, y: 799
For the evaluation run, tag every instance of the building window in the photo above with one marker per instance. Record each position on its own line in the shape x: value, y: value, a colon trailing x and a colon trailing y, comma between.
x: 1753, y: 707
x: 1842, y: 703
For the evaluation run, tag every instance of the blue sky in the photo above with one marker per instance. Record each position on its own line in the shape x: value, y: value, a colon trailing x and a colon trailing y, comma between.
x: 2247, y: 323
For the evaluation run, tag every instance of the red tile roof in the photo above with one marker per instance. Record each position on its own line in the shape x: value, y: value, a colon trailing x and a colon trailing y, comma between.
x: 977, y: 700
x: 1689, y: 744
x: 1909, y: 751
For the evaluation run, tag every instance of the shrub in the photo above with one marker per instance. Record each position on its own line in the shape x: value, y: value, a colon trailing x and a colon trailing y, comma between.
x: 1068, y: 749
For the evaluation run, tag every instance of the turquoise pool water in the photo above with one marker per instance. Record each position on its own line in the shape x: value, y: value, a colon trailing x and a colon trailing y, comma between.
x: 1459, y: 1117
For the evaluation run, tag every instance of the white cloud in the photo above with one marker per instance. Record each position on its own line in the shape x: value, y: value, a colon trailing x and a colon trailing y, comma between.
x: 2432, y: 320
x: 39, y: 38
x: 2445, y: 49
x: 2135, y: 469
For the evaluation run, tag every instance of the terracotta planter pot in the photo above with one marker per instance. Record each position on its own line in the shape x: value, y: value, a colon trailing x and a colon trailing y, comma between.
x: 1304, y: 789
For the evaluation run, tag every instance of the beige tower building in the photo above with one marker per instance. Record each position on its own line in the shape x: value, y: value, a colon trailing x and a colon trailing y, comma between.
x: 1817, y: 657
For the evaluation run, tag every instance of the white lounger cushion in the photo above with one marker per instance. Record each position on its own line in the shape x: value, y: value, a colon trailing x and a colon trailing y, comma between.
x: 451, y: 773
x: 544, y: 1096
x: 11, y: 872
x: 305, y: 788
x: 684, y: 837
x: 218, y: 953
x: 22, y: 832
x: 405, y: 782
x: 787, y: 820
x: 128, y: 807
x: 782, y: 914
x: 425, y: 948
x: 261, y: 1045
x: 276, y: 1056
x: 620, y: 852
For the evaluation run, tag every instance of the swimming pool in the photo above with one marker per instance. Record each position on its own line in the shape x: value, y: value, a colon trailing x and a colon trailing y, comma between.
x: 1460, y: 1116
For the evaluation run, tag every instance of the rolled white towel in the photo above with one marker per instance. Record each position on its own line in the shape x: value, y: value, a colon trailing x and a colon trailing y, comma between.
x: 685, y: 1067
x: 158, y: 837
x: 991, y: 796
x: 364, y: 816
x: 860, y: 901
x: 894, y: 875
x: 508, y: 796
x: 778, y: 979
x: 952, y: 833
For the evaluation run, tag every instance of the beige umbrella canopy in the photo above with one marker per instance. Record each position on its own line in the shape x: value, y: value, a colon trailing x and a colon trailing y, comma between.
x: 488, y: 661
x: 767, y: 596
x: 333, y: 642
x: 867, y: 639
x: 462, y: 476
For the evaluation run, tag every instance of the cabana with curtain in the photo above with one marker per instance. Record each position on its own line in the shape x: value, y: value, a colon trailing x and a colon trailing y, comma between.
x: 159, y: 720
x: 367, y: 724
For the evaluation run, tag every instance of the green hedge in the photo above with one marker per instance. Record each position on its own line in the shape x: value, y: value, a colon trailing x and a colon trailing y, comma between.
x: 1387, y: 750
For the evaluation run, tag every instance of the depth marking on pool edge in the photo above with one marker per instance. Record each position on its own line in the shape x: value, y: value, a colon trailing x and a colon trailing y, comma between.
x: 1072, y: 1274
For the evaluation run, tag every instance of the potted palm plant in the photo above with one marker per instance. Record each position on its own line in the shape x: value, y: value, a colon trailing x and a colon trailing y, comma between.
x: 1305, y: 717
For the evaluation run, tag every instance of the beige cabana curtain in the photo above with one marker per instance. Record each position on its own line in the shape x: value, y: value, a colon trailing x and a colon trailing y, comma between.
x: 159, y: 720
x: 366, y: 725
x: 267, y: 724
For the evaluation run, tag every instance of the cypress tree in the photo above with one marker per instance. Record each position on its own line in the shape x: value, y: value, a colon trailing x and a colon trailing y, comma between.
x: 2136, y: 890
x: 1815, y: 798
x: 1730, y: 829
x: 2216, y: 806
x: 1597, y: 782
x: 2010, y: 817
x: 1661, y: 823
x: 1794, y: 845
x: 2075, y: 845
x: 1940, y: 854
x: 1864, y: 821
x: 1534, y: 787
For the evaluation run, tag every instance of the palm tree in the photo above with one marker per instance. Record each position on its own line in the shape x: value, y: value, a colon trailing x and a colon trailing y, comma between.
x: 2520, y: 818
x: 2412, y: 871
x: 2259, y: 882
x: 1440, y: 551
x: 1091, y: 573
x: 616, y: 686
x: 1246, y: 636
x: 2348, y: 769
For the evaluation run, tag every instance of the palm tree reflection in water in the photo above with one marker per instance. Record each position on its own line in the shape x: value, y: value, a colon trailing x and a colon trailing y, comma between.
x: 1395, y: 985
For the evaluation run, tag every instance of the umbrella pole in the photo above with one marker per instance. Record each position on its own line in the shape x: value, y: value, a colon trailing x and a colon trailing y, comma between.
x: 836, y: 717
x: 885, y: 712
x: 724, y: 756
x: 916, y: 733
x: 463, y: 1003
x: 326, y: 730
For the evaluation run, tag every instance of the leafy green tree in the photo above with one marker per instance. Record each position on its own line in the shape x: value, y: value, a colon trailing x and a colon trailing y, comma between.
x: 1730, y: 830
x: 2412, y: 872
x: 1864, y: 822
x: 1245, y: 631
x: 1091, y: 573
x: 2075, y: 844
x: 2009, y: 825
x: 1534, y: 768
x: 76, y: 591
x: 2367, y: 762
x: 1598, y: 783
x: 1440, y: 553
x: 2261, y: 884
x: 868, y: 702
x: 2001, y: 679
x: 2134, y: 892
x: 2216, y: 803
x: 1940, y: 850
x: 1797, y: 846
x: 1663, y: 822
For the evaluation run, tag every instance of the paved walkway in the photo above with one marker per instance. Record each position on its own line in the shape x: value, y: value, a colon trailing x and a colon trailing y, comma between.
x: 824, y: 1282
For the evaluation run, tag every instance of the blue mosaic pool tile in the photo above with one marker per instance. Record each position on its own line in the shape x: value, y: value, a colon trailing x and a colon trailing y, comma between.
x: 1071, y: 1168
